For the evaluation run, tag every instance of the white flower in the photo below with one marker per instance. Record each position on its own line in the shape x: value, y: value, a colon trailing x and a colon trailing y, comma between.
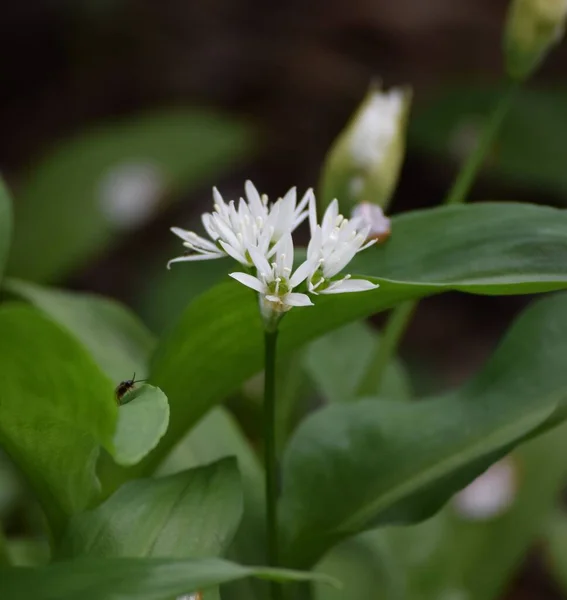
x: 333, y: 245
x: 376, y: 127
x: 254, y: 224
x: 275, y: 281
x: 372, y: 216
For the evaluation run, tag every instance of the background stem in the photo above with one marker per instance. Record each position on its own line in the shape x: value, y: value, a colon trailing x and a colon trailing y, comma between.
x: 400, y: 316
x: 271, y: 467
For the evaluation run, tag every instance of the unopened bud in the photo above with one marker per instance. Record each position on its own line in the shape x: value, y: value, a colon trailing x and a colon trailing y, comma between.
x: 533, y: 27
x: 365, y: 160
x: 371, y: 215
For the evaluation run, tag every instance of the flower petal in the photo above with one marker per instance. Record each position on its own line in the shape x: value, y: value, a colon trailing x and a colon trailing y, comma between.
x: 207, y: 219
x: 254, y: 200
x: 193, y: 258
x: 314, y: 247
x: 234, y: 253
x: 304, y: 203
x: 294, y: 299
x: 259, y: 260
x: 284, y: 256
x: 305, y: 269
x: 329, y: 218
x: 220, y: 204
x: 182, y: 233
x: 349, y: 285
x: 312, y: 214
x: 249, y: 281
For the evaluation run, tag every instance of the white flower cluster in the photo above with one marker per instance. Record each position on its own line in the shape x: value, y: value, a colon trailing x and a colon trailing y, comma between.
x: 258, y: 236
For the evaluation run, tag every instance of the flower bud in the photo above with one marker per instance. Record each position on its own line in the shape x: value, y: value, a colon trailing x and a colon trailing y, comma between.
x: 371, y: 215
x: 533, y: 27
x: 364, y: 163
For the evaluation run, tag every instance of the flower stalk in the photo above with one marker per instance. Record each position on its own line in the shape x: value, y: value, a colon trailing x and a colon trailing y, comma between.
x: 401, y: 316
x: 270, y: 457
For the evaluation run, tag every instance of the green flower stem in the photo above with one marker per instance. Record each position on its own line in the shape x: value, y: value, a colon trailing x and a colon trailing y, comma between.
x: 468, y: 173
x: 271, y: 466
x: 401, y: 316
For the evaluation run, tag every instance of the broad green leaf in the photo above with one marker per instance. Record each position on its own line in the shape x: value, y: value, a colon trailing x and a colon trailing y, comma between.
x: 142, y: 421
x: 131, y: 578
x: 5, y: 225
x: 484, y: 248
x: 479, y: 556
x: 469, y: 550
x: 351, y: 467
x: 116, y: 339
x: 215, y: 436
x: 365, y: 570
x: 121, y: 346
x: 112, y: 180
x: 191, y: 514
x: 56, y: 408
x: 531, y: 143
x: 337, y: 361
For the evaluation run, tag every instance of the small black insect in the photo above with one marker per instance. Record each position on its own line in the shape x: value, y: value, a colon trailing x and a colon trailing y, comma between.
x: 126, y: 386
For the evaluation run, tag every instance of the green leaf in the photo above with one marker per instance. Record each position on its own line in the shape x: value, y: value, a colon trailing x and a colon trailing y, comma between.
x: 215, y: 436
x: 531, y: 143
x: 114, y: 179
x: 131, y: 579
x: 116, y: 339
x: 142, y: 421
x: 56, y: 408
x: 121, y: 346
x: 337, y: 361
x: 482, y: 556
x: 362, y: 566
x: 484, y: 248
x: 191, y: 514
x: 5, y: 225
x: 473, y: 549
x: 351, y: 467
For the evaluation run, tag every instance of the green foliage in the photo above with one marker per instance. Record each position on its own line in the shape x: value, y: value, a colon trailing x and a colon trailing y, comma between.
x: 218, y: 435
x: 485, y: 248
x: 401, y: 462
x: 337, y: 361
x: 116, y: 339
x: 493, y: 248
x: 5, y: 225
x: 458, y: 551
x: 56, y: 409
x: 191, y: 514
x: 176, y: 149
x: 142, y: 420
x: 131, y: 578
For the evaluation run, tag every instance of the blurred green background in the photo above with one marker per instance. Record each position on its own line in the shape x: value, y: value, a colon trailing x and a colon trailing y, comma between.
x: 118, y: 116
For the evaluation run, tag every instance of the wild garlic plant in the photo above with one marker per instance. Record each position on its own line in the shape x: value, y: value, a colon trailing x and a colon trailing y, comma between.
x: 143, y: 488
x: 259, y: 236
